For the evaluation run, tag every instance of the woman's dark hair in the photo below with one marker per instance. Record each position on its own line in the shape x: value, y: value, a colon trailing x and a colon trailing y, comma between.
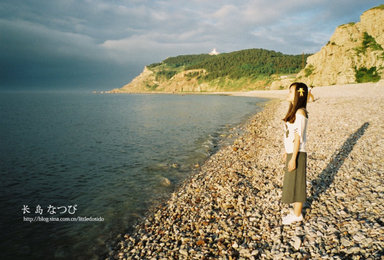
x: 300, y: 101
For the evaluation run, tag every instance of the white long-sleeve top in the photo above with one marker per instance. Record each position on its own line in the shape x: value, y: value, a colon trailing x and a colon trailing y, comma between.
x: 299, y: 127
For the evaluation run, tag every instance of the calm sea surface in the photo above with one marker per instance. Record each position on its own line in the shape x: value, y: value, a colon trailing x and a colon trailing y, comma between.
x: 69, y: 159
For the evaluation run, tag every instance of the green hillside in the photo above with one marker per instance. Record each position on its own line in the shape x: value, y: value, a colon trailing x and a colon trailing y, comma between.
x: 251, y: 64
x: 235, y: 71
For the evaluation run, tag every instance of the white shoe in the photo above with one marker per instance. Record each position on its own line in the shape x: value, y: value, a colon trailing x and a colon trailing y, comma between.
x: 291, y: 217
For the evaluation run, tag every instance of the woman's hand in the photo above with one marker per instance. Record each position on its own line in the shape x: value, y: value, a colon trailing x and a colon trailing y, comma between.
x: 291, y: 165
x: 285, y: 157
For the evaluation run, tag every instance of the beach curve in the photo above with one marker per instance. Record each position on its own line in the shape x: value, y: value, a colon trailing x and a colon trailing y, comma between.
x: 231, y: 208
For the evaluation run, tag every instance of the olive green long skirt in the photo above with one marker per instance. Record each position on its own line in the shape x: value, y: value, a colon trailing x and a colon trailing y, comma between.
x: 295, y: 182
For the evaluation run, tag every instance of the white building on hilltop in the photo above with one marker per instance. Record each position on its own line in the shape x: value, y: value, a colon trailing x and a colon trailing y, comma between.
x: 214, y: 52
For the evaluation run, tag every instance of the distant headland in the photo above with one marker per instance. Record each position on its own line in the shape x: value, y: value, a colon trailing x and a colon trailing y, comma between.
x: 354, y: 54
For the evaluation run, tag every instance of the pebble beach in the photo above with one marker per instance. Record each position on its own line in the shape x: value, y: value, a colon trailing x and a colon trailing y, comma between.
x: 230, y: 208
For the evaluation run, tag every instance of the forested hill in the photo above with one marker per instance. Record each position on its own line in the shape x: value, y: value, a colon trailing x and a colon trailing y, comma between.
x: 245, y: 63
x: 234, y: 71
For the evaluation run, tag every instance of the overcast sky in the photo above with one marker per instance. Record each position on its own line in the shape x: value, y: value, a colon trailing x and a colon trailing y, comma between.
x: 103, y: 44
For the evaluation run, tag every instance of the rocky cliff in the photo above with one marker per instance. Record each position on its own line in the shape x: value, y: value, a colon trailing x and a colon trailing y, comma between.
x: 353, y: 54
x: 180, y: 82
x: 185, y: 81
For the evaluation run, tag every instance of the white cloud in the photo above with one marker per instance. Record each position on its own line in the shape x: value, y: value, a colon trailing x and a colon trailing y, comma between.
x: 152, y: 47
x: 226, y: 11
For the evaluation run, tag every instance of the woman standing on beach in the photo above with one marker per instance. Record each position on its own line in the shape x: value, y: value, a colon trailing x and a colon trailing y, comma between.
x: 294, y: 184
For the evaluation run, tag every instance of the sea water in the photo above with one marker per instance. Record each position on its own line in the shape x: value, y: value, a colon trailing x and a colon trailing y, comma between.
x: 77, y: 169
